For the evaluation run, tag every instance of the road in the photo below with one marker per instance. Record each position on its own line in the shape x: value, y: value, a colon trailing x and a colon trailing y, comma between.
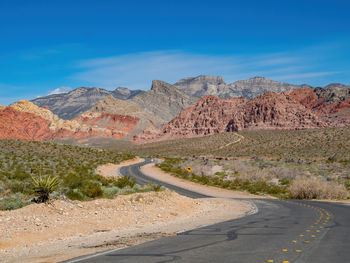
x: 281, y: 231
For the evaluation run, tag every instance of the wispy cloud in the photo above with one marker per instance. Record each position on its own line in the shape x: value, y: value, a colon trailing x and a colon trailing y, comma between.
x: 60, y: 90
x: 138, y: 70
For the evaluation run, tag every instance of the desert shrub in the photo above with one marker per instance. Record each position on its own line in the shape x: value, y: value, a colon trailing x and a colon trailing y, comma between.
x: 73, y: 180
x: 75, y: 194
x: 157, y: 187
x: 124, y: 181
x: 16, y: 186
x: 74, y: 166
x: 347, y: 183
x: 110, y: 192
x: 315, y: 188
x: 2, y: 187
x: 284, y: 181
x: 12, y: 202
x: 92, y: 189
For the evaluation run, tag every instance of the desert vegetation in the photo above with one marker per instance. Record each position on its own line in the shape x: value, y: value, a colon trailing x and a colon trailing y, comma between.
x: 298, y: 180
x: 35, y: 171
x: 320, y: 144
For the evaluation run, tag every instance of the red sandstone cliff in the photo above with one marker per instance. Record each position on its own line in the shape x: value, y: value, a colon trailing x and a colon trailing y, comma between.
x: 212, y: 115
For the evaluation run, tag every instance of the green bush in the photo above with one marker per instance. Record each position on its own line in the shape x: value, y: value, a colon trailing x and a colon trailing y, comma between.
x: 75, y: 194
x: 12, y: 202
x: 110, y: 192
x: 125, y: 181
x: 157, y: 187
x: 92, y: 189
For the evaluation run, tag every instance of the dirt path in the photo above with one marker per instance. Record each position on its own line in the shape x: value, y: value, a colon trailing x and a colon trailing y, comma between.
x: 240, y: 137
x: 67, y: 229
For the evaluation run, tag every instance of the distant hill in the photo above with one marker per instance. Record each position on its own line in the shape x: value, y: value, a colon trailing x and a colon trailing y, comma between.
x: 24, y: 120
x: 164, y: 100
x: 114, y: 114
x: 213, y: 85
x: 212, y: 115
x: 331, y: 102
x: 69, y: 105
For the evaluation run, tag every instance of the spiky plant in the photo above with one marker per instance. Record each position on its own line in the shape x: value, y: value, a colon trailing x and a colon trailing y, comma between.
x: 44, y: 186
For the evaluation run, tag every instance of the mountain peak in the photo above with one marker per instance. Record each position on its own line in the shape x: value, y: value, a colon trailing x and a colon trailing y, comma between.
x: 164, y: 100
x: 159, y: 85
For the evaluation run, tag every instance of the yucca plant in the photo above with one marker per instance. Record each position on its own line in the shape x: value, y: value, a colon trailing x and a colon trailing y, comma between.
x: 43, y: 187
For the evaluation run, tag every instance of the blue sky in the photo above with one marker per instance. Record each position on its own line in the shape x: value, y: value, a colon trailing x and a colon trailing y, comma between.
x: 49, y: 46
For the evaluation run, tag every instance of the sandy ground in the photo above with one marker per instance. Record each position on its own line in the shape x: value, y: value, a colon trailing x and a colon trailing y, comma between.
x: 155, y: 172
x: 67, y: 229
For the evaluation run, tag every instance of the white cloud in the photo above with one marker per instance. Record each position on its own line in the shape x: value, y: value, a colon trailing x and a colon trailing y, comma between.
x: 60, y: 90
x: 137, y: 70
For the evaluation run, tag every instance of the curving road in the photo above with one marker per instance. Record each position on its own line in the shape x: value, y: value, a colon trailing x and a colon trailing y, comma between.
x: 281, y: 231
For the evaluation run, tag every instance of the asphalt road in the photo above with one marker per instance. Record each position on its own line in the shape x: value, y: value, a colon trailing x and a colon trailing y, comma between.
x: 281, y: 231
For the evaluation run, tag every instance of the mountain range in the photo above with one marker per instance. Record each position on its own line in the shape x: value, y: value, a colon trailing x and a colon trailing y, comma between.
x: 69, y: 105
x: 213, y: 85
x: 191, y: 107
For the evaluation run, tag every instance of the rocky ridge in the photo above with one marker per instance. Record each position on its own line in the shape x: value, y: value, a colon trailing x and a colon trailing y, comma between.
x: 211, y: 115
x: 214, y: 85
x: 26, y: 121
x: 331, y: 102
x: 163, y: 100
x: 69, y: 105
x: 122, y: 117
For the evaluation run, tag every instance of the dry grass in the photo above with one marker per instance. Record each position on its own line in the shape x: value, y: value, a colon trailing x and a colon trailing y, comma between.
x: 316, y: 188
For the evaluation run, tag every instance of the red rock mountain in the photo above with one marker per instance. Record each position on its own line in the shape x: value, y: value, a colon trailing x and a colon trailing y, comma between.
x: 331, y: 103
x: 117, y: 118
x: 107, y: 119
x: 25, y: 121
x: 212, y: 115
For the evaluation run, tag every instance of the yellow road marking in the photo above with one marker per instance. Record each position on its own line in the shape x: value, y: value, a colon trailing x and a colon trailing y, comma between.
x: 313, y: 236
x: 306, y: 241
x: 284, y: 250
x: 269, y: 260
x: 285, y: 261
x: 317, y: 230
x: 298, y: 250
x: 301, y: 235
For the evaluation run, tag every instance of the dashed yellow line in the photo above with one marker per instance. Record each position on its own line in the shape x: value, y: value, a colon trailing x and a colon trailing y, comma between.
x: 322, y: 212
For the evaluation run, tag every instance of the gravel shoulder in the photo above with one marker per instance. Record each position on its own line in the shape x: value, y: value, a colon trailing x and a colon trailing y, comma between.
x: 65, y: 229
